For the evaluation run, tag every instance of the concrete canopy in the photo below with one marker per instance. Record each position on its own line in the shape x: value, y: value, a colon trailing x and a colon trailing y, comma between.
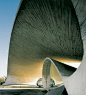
x: 42, y: 28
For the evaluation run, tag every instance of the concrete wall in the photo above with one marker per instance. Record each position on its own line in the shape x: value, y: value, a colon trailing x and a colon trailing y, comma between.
x: 42, y: 28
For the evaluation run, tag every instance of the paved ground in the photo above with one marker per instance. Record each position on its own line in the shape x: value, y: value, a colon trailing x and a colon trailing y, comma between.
x: 58, y: 91
x: 33, y: 91
x: 22, y: 92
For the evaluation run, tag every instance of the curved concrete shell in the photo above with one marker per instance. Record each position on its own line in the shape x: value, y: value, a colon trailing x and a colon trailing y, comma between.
x: 42, y: 28
x: 64, y: 71
x: 74, y: 80
x: 80, y: 9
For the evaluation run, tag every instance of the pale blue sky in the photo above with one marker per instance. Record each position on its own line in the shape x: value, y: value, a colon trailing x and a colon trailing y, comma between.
x: 8, y: 9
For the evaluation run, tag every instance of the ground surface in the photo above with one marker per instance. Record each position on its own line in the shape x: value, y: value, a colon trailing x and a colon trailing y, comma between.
x: 22, y: 92
x: 30, y: 90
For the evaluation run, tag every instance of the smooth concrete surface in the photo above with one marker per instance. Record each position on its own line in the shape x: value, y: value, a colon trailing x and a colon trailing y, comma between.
x: 74, y: 81
x: 42, y: 28
x: 24, y: 86
x: 19, y: 86
x: 64, y: 71
x: 75, y: 84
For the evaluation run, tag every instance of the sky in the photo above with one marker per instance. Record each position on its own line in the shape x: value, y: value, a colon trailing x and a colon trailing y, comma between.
x: 8, y: 9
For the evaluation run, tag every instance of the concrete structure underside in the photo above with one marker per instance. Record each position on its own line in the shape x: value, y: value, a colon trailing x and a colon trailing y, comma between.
x: 48, y: 28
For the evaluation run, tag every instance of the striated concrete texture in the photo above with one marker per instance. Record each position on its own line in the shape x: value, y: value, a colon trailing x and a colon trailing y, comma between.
x: 42, y: 28
x: 80, y: 8
x: 76, y: 83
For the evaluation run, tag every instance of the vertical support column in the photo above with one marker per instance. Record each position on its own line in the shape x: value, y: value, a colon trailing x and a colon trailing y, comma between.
x: 46, y: 74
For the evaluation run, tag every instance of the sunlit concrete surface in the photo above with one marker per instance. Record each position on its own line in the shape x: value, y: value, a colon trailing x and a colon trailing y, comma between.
x: 24, y: 86
x: 49, y: 28
x: 76, y: 83
x: 18, y: 86
x: 73, y: 79
x: 25, y: 90
x: 28, y: 90
x: 42, y: 29
x: 64, y: 72
x: 70, y: 62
